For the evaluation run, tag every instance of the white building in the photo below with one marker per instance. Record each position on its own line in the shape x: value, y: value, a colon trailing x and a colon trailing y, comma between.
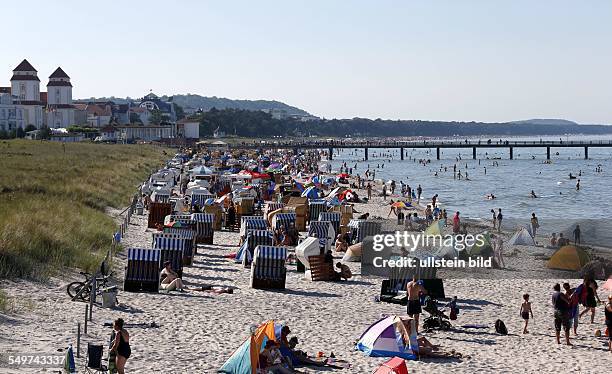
x: 60, y: 111
x: 11, y: 116
x: 188, y: 129
x: 25, y: 87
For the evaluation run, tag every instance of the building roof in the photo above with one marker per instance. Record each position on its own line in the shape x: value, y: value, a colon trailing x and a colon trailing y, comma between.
x: 25, y: 66
x: 20, y: 77
x: 98, y: 110
x: 30, y: 102
x: 187, y: 120
x: 60, y: 106
x: 59, y: 83
x: 108, y: 128
x: 80, y: 106
x: 59, y: 73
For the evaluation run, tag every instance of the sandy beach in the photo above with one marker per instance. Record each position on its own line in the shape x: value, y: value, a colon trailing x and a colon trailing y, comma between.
x: 198, y: 331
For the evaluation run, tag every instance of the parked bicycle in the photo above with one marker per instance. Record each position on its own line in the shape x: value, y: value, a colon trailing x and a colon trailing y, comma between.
x: 82, y: 290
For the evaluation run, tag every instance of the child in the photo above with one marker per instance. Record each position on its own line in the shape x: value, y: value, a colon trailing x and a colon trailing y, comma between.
x: 454, y: 310
x: 525, y: 311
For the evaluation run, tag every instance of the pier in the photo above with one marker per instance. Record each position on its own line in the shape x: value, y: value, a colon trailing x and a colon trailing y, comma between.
x: 437, y: 145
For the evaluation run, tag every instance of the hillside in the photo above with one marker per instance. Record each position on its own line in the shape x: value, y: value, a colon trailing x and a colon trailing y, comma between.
x: 545, y: 121
x: 53, y: 201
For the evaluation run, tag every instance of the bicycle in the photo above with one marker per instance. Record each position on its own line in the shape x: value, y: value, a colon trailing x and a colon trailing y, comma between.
x: 82, y: 290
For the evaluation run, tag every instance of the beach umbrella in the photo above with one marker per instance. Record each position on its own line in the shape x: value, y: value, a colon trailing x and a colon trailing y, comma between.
x: 399, y: 204
x: 311, y: 192
x: 201, y: 170
x: 343, y: 175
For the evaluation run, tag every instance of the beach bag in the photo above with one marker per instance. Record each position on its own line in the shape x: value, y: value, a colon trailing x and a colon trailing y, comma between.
x: 500, y: 327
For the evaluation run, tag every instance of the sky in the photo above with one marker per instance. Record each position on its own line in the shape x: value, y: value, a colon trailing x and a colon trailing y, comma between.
x: 469, y: 60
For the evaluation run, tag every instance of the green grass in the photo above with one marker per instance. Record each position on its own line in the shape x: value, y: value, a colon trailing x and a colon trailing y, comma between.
x: 52, y: 202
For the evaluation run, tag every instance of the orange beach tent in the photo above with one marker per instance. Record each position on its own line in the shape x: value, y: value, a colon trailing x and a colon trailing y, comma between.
x: 569, y: 257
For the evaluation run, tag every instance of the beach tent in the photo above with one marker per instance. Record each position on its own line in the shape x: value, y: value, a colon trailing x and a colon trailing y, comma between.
x: 522, y: 237
x: 435, y: 228
x: 568, y: 257
x: 482, y: 250
x: 396, y: 365
x: 246, y: 358
x: 390, y: 336
x: 353, y: 253
x: 446, y: 250
x: 608, y: 285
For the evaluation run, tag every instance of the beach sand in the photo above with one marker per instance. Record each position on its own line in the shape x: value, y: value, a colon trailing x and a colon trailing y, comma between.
x: 198, y: 331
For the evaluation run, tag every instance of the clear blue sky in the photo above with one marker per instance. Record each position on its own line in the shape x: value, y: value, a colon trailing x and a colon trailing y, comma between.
x: 487, y: 60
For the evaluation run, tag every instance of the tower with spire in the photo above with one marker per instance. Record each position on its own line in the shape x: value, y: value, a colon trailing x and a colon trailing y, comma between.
x: 25, y: 88
x: 60, y: 111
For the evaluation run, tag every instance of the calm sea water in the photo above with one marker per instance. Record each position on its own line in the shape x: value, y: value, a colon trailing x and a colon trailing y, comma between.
x: 558, y: 206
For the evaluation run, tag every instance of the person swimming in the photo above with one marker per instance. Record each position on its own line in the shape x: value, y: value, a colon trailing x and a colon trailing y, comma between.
x: 533, y: 194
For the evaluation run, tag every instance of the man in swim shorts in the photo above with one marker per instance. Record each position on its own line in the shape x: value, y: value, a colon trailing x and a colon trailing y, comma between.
x: 413, y: 307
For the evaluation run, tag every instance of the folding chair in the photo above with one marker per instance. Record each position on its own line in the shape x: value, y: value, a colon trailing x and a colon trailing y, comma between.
x: 94, y: 359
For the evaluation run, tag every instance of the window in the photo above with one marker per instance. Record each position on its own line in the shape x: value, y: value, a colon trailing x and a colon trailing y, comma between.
x: 22, y: 91
x: 58, y: 97
x: 3, y: 114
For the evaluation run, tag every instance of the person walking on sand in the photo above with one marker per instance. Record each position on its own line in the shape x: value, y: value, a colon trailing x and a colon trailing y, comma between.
x: 413, y: 307
x: 577, y: 235
x: 534, y: 225
x: 384, y: 192
x: 369, y: 188
x: 120, y: 345
x: 560, y: 304
x: 573, y: 299
x: 500, y: 217
x: 526, y: 311
x: 591, y: 298
x: 419, y: 192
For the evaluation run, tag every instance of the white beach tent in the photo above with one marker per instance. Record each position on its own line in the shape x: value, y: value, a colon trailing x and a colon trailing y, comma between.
x: 308, y: 247
x: 522, y: 237
x: 353, y: 253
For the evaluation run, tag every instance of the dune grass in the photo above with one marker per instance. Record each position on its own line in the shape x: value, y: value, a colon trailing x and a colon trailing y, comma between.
x: 52, y: 201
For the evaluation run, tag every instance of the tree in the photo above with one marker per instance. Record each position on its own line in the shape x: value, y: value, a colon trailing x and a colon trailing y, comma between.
x: 45, y: 133
x: 4, y: 134
x: 180, y: 113
x: 30, y: 128
x: 20, y: 133
x: 135, y: 118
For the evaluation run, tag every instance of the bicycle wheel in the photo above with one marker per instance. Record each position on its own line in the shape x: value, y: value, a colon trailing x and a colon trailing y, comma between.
x: 74, y: 288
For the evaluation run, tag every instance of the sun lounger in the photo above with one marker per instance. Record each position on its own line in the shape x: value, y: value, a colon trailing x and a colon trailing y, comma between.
x: 268, y: 268
x: 190, y: 243
x: 324, y: 231
x: 333, y: 217
x: 157, y: 213
x: 204, y: 227
x: 321, y: 270
x: 142, y: 270
x: 172, y: 247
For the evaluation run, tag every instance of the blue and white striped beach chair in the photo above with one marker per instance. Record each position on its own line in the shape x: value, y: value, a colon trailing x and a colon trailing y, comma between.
x: 324, y: 231
x: 199, y: 199
x: 333, y: 217
x: 204, y: 227
x: 268, y: 268
x: 172, y: 248
x: 252, y: 240
x: 285, y: 220
x: 315, y: 207
x: 190, y: 243
x: 361, y: 228
x: 160, y: 197
x: 251, y: 223
x: 272, y: 206
x: 142, y: 270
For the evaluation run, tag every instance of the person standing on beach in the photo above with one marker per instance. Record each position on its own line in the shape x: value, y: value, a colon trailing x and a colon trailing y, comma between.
x: 419, y: 192
x: 413, y: 307
x: 456, y: 223
x: 560, y: 304
x: 494, y: 218
x: 434, y: 199
x: 500, y: 217
x: 577, y: 235
x: 526, y: 311
x: 498, y: 250
x: 534, y: 225
x: 608, y: 312
x: 120, y: 347
x: 369, y: 188
x: 591, y: 298
x: 384, y: 192
x: 572, y: 297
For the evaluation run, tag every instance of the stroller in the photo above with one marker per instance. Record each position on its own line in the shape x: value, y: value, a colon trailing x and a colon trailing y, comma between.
x: 437, y: 320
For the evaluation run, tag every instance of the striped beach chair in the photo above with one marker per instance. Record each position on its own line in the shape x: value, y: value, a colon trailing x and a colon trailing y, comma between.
x: 142, y: 270
x: 157, y: 213
x: 172, y: 248
x: 272, y: 206
x: 268, y: 268
x: 315, y: 207
x: 283, y: 220
x: 251, y: 223
x: 190, y: 244
x: 204, y: 227
x: 186, y: 220
x: 160, y: 197
x: 333, y: 217
x: 199, y: 199
x: 361, y: 228
x: 324, y: 231
x: 252, y: 240
x: 400, y: 276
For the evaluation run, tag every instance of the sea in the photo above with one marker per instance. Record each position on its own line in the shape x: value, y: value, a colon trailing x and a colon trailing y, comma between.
x: 558, y: 206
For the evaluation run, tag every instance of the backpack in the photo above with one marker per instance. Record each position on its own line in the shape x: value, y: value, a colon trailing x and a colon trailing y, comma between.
x: 500, y: 327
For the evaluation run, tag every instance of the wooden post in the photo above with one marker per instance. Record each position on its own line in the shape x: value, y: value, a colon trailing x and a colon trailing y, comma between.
x: 92, y: 295
x: 78, y: 339
x: 86, y: 315
x: 402, y: 153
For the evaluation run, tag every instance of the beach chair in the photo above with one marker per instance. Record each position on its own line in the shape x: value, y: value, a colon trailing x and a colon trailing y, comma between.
x: 94, y: 359
x: 142, y: 270
x: 204, y: 227
x: 324, y: 231
x: 283, y: 220
x: 251, y: 223
x: 190, y: 243
x: 160, y: 197
x: 172, y: 247
x: 157, y: 213
x: 270, y: 207
x: 186, y: 220
x: 361, y: 228
x: 315, y: 207
x: 253, y: 239
x: 268, y: 268
x: 400, y: 276
x: 333, y: 217
x: 199, y: 199
x: 321, y: 270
